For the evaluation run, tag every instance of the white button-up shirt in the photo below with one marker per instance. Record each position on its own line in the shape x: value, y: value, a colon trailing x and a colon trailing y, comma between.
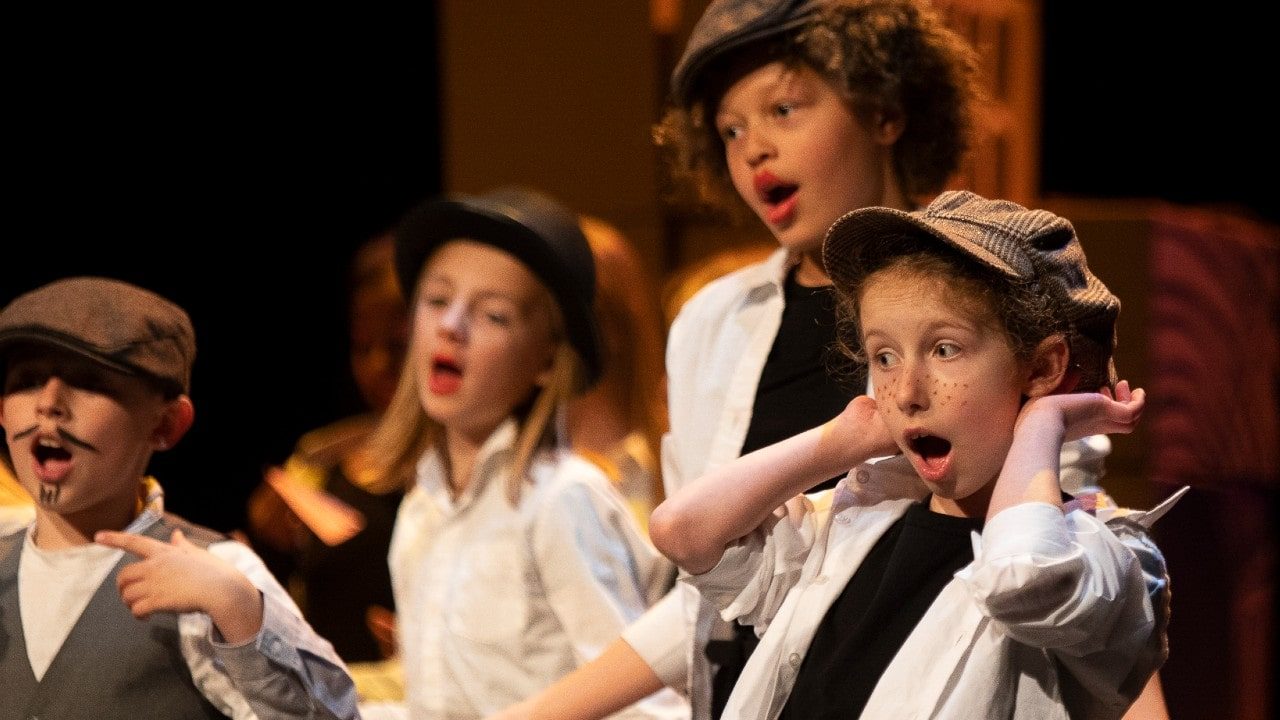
x: 716, y: 351
x: 496, y: 602
x: 1059, y: 615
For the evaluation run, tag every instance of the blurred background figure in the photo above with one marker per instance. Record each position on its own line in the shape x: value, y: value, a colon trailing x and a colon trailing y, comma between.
x: 16, y: 510
x: 329, y: 532
x: 619, y: 423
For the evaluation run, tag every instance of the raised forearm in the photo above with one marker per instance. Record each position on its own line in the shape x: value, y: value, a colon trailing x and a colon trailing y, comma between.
x: 1030, y: 471
x: 695, y: 526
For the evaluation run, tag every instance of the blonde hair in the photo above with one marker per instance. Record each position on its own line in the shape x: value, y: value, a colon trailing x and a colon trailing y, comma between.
x: 405, y: 432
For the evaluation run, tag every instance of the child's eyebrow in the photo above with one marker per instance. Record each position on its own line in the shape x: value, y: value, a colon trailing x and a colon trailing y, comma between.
x: 488, y: 294
x: 952, y: 324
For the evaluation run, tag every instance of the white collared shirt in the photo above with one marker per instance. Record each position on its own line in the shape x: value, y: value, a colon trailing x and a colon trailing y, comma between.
x: 716, y: 352
x: 1056, y: 617
x: 496, y: 602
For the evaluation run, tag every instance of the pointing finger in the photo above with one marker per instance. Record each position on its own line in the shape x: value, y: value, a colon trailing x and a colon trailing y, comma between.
x: 143, y: 547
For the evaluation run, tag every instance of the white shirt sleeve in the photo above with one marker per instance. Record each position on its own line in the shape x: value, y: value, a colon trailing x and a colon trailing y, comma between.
x: 754, y: 575
x: 1074, y: 586
x: 286, y: 671
x: 597, y: 568
x: 593, y: 576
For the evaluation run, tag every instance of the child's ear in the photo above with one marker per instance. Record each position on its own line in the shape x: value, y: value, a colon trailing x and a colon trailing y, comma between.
x: 888, y: 127
x: 1049, y: 367
x: 178, y: 415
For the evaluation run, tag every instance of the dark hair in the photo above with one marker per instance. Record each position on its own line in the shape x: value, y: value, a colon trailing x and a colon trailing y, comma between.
x: 890, y: 57
x: 1026, y: 311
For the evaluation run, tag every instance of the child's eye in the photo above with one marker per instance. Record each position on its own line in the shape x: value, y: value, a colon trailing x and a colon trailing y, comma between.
x: 495, y: 313
x: 435, y: 301
x: 884, y: 360
x: 730, y: 132
x: 498, y: 318
x: 784, y: 109
x: 23, y: 380
x: 947, y: 350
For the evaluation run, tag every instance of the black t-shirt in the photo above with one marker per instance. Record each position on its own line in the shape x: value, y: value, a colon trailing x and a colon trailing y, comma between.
x: 805, y: 382
x: 871, y: 619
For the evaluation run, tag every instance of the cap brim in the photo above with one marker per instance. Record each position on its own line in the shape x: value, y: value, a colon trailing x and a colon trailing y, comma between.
x: 453, y: 219
x: 860, y: 241
x: 15, y: 337
x: 684, y: 80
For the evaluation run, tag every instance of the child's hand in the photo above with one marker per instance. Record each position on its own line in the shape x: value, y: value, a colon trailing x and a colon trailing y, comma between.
x: 856, y: 435
x: 1084, y: 414
x: 1044, y: 423
x: 180, y: 577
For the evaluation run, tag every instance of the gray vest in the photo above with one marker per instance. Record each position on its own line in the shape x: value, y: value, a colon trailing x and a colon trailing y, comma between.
x: 111, y: 665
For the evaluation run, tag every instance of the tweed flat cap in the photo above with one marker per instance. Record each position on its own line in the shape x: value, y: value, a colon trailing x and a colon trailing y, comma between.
x: 119, y: 325
x: 730, y: 24
x: 1032, y: 245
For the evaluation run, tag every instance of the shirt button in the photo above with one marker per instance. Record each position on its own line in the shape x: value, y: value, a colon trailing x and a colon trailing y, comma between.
x: 863, y: 476
x: 820, y: 580
x: 842, y: 519
x: 794, y: 659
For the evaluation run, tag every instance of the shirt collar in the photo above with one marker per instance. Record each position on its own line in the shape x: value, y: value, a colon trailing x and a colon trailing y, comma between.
x: 492, y: 460
x: 767, y: 278
x: 152, y: 506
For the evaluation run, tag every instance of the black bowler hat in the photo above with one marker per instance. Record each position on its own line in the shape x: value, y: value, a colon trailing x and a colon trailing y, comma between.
x: 536, y: 230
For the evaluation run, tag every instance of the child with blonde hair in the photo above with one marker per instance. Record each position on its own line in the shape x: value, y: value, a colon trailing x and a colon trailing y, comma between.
x: 513, y: 561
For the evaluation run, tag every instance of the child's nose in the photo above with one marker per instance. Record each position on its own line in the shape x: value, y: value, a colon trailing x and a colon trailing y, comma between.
x: 454, y: 320
x: 52, y: 399
x: 913, y: 390
x: 759, y: 146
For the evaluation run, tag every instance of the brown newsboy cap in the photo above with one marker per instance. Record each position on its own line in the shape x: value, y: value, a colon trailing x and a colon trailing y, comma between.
x: 114, y: 323
x: 1030, y: 245
x: 730, y: 24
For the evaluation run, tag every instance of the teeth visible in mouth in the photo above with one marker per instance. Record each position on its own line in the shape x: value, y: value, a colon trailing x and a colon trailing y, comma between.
x: 48, y: 448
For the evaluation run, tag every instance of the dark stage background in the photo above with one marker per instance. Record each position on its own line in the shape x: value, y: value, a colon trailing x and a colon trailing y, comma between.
x: 233, y: 170
x: 234, y: 166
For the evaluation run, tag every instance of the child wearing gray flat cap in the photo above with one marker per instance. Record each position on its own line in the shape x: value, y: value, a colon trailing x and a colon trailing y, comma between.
x: 111, y: 606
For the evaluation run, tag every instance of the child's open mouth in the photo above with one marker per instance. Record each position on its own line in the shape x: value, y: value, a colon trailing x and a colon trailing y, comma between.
x: 53, y: 461
x: 780, y: 193
x: 779, y: 196
x: 446, y: 375
x: 932, y: 456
